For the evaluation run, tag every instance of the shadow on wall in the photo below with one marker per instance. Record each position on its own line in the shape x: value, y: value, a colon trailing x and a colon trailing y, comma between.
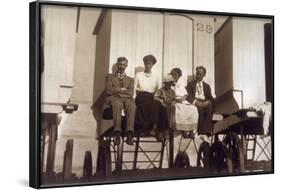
x: 114, y: 68
x: 139, y: 69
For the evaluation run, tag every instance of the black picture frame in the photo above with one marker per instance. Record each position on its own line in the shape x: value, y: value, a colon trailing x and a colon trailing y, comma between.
x: 36, y: 68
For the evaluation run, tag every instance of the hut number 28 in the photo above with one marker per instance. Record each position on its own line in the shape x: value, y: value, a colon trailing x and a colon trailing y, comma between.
x: 204, y: 28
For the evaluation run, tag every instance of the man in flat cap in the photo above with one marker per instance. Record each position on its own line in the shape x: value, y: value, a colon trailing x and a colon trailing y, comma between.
x: 120, y: 90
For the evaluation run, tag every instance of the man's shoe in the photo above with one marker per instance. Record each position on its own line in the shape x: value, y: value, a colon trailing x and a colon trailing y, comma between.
x: 188, y: 134
x: 130, y: 140
x: 160, y: 137
x: 117, y: 138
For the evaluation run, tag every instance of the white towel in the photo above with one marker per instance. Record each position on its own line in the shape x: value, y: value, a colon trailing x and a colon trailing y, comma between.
x: 265, y: 108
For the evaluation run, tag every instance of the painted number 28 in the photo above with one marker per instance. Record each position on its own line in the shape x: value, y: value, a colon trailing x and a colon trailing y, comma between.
x: 204, y: 28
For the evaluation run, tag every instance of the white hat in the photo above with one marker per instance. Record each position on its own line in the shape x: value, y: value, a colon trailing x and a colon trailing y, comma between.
x: 168, y: 78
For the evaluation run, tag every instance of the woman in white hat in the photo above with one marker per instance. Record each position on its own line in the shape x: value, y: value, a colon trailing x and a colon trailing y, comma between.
x: 167, y: 96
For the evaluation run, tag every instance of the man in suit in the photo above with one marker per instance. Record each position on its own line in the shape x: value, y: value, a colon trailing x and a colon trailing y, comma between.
x: 199, y: 94
x: 120, y: 89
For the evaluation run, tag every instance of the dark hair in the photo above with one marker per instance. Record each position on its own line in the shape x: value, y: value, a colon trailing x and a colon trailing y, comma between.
x: 120, y: 59
x: 149, y: 58
x: 177, y: 70
x: 203, y: 68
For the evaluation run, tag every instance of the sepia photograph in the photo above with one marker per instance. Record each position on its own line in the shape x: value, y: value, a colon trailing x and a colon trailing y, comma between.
x: 130, y: 94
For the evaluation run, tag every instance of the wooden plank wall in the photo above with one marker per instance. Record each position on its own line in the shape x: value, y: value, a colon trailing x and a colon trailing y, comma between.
x: 184, y: 41
x: 84, y: 67
x: 59, y: 50
x: 249, y: 59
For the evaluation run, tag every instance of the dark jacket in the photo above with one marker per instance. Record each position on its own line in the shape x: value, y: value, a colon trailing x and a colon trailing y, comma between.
x: 191, y: 90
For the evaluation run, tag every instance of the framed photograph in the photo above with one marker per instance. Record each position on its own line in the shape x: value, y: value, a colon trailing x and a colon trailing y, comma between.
x: 133, y: 94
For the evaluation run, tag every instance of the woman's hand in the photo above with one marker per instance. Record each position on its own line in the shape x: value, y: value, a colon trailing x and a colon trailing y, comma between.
x: 178, y: 100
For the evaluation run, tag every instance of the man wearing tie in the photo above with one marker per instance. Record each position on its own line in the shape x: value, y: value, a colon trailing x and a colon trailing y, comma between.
x: 199, y: 94
x: 120, y: 89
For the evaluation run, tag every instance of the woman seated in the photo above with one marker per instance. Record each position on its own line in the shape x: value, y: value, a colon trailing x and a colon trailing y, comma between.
x: 149, y: 111
x: 167, y: 96
x: 186, y: 114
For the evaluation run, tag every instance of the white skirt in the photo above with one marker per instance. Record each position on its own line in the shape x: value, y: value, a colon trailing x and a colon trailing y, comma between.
x: 186, y: 117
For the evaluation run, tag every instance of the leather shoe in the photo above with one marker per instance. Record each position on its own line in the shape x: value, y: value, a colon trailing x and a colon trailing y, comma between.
x: 117, y: 138
x: 160, y: 137
x: 129, y: 140
x: 188, y: 134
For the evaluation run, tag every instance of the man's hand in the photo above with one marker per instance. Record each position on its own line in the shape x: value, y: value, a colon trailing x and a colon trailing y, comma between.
x: 206, y: 103
x: 178, y: 100
x: 199, y: 104
x: 203, y: 104
x: 123, y: 89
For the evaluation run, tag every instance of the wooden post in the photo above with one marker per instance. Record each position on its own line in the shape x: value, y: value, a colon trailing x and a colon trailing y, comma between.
x: 67, y: 161
x: 171, y: 149
x: 52, y: 144
x: 136, y: 153
x: 88, y: 165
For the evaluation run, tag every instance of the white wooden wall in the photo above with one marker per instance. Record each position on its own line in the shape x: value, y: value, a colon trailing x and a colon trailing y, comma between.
x: 85, y: 51
x: 134, y: 35
x: 181, y: 40
x: 178, y: 44
x: 59, y: 50
x: 248, y: 59
x: 204, y: 47
x: 240, y: 61
x: 102, y: 63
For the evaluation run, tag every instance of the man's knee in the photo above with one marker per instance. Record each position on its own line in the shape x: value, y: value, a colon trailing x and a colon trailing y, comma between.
x: 117, y: 105
x: 130, y: 105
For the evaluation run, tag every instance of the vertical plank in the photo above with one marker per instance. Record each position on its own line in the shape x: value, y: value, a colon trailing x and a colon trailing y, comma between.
x: 102, y: 60
x: 249, y: 59
x: 123, y: 39
x: 149, y: 39
x: 59, y: 47
x: 204, y: 47
x: 178, y: 44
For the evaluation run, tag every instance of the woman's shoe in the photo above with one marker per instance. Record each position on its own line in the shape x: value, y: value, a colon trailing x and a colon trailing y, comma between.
x: 129, y: 139
x: 188, y: 134
x: 160, y: 137
x: 117, y: 138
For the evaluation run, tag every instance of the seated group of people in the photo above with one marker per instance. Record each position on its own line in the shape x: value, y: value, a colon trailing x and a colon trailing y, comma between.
x: 150, y: 105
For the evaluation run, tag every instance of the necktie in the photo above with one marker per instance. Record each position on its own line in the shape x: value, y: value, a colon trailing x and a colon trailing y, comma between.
x: 121, y: 76
x: 199, y: 89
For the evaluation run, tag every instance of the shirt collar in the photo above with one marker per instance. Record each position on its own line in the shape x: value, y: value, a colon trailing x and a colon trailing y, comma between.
x: 200, y: 82
x: 121, y: 75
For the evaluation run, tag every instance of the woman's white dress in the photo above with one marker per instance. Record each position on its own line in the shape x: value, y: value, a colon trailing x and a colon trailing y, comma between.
x: 186, y: 116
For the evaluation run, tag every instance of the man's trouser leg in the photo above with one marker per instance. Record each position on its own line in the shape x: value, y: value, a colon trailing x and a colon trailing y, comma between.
x: 117, y: 106
x: 130, y: 110
x: 205, y: 120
